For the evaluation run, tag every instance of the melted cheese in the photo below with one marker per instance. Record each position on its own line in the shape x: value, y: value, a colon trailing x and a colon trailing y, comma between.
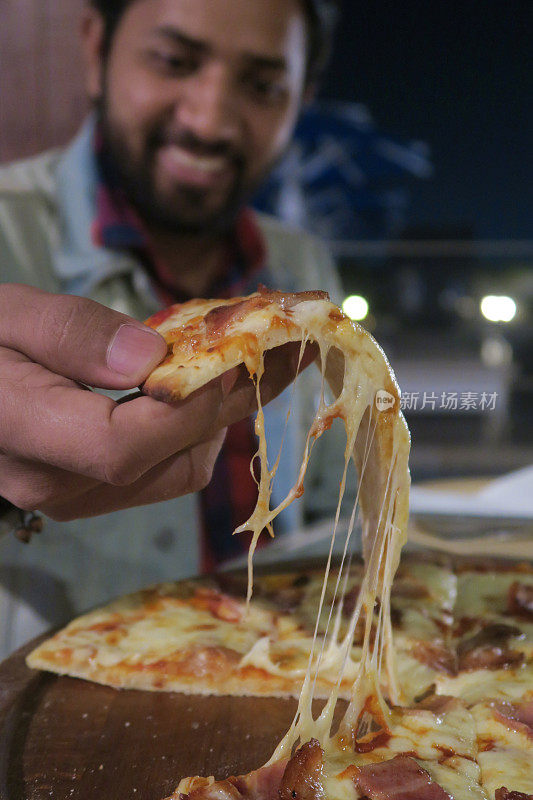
x: 503, y: 766
x: 459, y: 777
x: 477, y: 685
x: 505, y: 755
x: 356, y: 370
x: 484, y: 594
x: 170, y: 626
x: 445, y: 746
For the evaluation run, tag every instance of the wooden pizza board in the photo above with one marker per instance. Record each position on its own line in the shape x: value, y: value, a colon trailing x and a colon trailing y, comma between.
x: 68, y: 739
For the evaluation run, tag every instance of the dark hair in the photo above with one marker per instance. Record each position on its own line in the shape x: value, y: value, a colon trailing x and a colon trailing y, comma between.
x: 321, y: 17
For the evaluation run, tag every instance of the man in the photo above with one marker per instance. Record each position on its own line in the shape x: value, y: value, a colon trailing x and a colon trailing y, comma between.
x: 195, y: 100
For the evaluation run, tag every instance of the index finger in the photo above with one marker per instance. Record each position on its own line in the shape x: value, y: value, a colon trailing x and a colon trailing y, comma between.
x: 50, y: 419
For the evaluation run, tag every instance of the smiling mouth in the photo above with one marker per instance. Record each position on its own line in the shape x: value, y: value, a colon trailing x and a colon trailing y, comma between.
x: 189, y: 168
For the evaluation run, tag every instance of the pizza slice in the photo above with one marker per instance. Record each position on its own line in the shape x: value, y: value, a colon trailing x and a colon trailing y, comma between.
x: 208, y: 337
x: 199, y: 636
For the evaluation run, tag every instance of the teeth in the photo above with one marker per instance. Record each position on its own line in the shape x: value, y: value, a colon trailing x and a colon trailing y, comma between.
x: 206, y: 164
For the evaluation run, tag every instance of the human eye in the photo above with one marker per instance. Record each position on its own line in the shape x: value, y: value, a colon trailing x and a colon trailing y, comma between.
x: 171, y: 62
x: 265, y: 89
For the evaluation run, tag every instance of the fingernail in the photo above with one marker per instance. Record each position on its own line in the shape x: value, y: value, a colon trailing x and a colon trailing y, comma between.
x: 135, y: 351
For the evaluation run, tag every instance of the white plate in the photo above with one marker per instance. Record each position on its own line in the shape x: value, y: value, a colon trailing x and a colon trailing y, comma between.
x: 505, y: 500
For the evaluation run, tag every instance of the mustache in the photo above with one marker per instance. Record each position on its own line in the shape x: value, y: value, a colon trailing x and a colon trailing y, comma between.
x: 199, y: 147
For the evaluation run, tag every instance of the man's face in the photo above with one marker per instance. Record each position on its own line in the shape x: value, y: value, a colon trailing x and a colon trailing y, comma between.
x: 198, y: 99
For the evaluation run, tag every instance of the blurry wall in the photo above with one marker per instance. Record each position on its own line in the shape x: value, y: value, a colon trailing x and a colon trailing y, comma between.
x: 42, y: 97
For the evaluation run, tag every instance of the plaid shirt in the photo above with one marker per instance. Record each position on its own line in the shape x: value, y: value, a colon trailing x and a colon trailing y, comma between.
x: 230, y: 497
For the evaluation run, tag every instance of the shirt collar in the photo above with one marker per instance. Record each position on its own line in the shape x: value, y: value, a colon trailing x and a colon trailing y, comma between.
x: 79, y: 262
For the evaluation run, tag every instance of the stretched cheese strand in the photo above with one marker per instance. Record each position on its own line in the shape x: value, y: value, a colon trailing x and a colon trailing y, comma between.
x: 366, y: 693
x: 352, y: 363
x: 356, y: 370
x: 263, y: 516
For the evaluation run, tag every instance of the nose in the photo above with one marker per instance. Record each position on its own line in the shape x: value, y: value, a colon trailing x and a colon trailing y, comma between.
x: 208, y: 107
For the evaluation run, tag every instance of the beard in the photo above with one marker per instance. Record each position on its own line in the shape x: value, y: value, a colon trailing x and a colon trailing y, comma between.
x: 183, y: 209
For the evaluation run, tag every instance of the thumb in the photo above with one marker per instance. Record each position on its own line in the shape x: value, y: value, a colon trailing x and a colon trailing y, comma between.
x: 78, y: 338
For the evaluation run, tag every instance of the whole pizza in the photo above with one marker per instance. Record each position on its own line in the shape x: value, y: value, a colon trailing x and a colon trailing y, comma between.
x: 463, y: 633
x: 431, y: 659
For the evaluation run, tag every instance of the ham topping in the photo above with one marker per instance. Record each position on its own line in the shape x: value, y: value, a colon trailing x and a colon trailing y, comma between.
x: 437, y: 656
x: 401, y: 778
x: 409, y: 591
x: 494, y: 634
x: 491, y: 658
x: 520, y: 599
x: 371, y: 741
x: 302, y: 779
x: 505, y: 794
x: 287, y: 300
x: 218, y: 319
x: 518, y: 717
x: 220, y: 605
x: 262, y: 784
x: 488, y: 649
x: 440, y: 703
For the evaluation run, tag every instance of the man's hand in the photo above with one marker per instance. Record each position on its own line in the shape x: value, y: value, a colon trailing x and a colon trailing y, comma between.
x: 70, y: 452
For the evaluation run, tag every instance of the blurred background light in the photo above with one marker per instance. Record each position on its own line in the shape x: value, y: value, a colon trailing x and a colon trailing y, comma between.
x: 496, y: 352
x: 498, y: 308
x: 355, y: 307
